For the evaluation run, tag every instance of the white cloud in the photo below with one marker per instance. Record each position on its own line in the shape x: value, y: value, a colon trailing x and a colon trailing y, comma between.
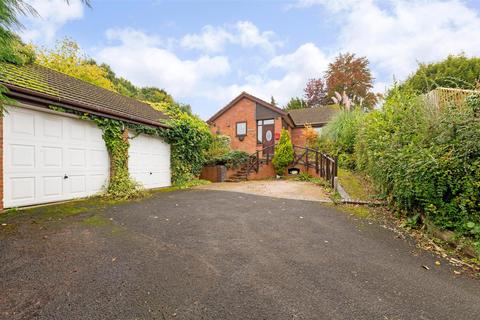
x: 243, y: 33
x: 295, y: 69
x: 139, y: 58
x: 395, y: 40
x: 334, y: 5
x: 52, y: 15
x: 396, y: 35
x: 142, y: 59
x: 211, y: 39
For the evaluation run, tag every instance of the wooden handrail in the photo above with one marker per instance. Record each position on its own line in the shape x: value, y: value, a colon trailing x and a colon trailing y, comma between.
x: 325, y: 166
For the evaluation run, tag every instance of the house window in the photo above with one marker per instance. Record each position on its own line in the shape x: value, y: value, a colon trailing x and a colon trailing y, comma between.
x: 241, y: 129
x: 260, y: 124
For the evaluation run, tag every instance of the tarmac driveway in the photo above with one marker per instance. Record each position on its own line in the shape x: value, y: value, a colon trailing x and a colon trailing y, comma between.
x: 203, y: 254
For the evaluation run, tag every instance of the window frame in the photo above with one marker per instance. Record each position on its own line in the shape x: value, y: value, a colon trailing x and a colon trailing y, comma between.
x: 236, y: 129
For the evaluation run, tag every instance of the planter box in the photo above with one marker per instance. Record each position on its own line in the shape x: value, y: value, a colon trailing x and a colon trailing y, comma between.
x: 216, y: 173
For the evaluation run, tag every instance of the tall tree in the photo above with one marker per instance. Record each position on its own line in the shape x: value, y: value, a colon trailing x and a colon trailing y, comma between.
x: 273, y: 102
x: 315, y: 93
x: 351, y: 74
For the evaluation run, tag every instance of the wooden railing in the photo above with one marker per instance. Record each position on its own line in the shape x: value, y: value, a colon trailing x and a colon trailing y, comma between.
x: 324, y: 165
x: 255, y: 159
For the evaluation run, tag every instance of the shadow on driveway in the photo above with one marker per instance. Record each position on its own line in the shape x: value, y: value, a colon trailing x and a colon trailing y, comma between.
x: 203, y: 254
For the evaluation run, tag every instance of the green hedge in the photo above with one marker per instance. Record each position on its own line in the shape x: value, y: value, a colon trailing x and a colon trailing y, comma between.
x: 425, y: 160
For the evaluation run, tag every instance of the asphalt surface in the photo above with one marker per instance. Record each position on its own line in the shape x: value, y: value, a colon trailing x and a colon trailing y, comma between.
x: 202, y: 254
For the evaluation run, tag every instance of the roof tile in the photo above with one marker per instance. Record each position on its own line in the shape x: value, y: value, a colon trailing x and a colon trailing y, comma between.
x: 65, y: 88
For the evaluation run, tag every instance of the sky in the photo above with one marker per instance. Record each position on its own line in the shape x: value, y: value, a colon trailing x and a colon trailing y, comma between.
x: 206, y: 52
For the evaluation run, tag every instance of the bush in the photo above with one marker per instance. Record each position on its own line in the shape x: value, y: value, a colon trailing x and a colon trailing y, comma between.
x: 232, y: 159
x: 219, y: 147
x: 426, y: 162
x: 339, y: 136
x: 190, y: 138
x: 283, y: 153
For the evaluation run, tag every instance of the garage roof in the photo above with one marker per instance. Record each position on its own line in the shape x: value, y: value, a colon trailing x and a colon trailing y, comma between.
x: 47, y: 84
x: 313, y: 116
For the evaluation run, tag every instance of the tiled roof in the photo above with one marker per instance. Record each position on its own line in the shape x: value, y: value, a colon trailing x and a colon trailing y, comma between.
x: 65, y: 89
x: 317, y: 115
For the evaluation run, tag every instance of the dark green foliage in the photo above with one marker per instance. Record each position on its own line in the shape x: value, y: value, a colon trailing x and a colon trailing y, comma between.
x: 190, y: 138
x: 426, y: 160
x: 284, y: 153
x: 453, y: 72
x: 120, y: 186
x: 231, y: 159
x: 295, y: 103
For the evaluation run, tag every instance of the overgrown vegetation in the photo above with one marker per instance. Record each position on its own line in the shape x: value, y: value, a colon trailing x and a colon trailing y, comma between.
x: 220, y: 153
x: 190, y: 138
x: 457, y: 71
x: 283, y: 153
x: 426, y: 160
x: 423, y: 158
x: 120, y: 186
x: 338, y: 137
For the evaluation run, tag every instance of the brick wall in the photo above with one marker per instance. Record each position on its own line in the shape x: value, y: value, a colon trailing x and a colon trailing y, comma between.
x: 243, y: 110
x: 298, y: 139
x: 225, y: 124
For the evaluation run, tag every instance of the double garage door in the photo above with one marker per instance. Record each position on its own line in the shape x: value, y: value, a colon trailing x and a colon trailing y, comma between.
x: 50, y: 157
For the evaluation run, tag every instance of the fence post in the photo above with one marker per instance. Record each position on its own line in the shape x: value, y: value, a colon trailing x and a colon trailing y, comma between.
x: 321, y: 165
x: 306, y: 159
x: 316, y: 161
x: 258, y: 164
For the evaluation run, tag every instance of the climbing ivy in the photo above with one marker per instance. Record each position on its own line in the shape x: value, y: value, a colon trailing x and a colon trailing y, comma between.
x: 121, y: 186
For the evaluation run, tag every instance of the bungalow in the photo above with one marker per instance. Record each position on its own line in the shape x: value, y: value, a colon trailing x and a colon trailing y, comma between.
x: 50, y: 156
x: 254, y: 124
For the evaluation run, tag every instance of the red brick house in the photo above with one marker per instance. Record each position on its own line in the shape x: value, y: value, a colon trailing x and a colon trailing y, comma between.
x: 254, y: 124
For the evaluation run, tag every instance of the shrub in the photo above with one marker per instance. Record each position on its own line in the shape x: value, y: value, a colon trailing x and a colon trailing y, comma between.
x: 283, y: 153
x: 219, y: 147
x: 310, y: 135
x: 426, y: 162
x: 232, y: 159
x: 190, y: 138
x: 339, y: 136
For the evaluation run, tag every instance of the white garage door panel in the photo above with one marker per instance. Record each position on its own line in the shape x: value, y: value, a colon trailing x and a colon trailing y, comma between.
x: 50, y: 157
x: 149, y: 161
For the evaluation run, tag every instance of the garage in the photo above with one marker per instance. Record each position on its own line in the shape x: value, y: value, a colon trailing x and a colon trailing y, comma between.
x: 149, y: 161
x: 50, y: 157
x: 51, y: 153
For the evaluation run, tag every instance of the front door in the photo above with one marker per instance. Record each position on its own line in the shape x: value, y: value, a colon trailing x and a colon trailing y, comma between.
x: 268, y: 138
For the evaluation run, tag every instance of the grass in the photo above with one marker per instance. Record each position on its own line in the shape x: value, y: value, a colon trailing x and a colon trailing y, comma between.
x: 59, y: 211
x: 315, y: 180
x: 356, y: 185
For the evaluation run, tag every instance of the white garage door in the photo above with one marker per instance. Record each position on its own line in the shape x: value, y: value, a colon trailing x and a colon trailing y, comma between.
x: 149, y: 161
x: 50, y: 157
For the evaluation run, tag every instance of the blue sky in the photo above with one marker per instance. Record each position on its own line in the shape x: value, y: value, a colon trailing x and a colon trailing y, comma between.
x: 207, y: 52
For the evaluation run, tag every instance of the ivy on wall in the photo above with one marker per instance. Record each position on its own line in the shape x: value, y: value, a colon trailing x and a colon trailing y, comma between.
x: 115, y: 135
